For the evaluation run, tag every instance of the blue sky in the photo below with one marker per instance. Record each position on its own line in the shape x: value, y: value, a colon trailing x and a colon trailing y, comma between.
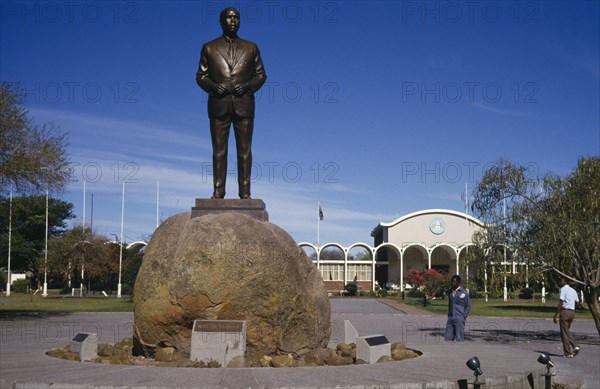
x: 374, y: 109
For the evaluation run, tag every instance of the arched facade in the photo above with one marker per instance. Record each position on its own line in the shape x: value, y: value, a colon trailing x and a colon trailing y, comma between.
x: 433, y: 238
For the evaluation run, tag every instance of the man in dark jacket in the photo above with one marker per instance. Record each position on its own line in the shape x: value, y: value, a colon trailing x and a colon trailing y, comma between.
x: 459, y: 306
x: 231, y: 71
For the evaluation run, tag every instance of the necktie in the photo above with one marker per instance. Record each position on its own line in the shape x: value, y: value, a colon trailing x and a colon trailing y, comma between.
x: 230, y: 52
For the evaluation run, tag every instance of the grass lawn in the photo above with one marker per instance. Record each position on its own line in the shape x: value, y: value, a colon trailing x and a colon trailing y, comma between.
x: 511, y: 308
x: 17, y: 302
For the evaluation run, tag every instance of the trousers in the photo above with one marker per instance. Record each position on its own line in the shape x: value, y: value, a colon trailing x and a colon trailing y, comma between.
x: 566, y: 319
x: 455, y: 329
x: 243, y: 128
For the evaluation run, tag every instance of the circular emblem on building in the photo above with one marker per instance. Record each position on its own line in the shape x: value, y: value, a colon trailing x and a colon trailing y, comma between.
x: 437, y: 226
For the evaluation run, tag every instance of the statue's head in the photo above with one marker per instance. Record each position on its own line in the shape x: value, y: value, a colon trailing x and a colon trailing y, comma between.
x: 230, y: 21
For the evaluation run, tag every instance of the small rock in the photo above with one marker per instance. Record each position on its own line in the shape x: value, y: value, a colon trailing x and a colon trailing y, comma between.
x: 166, y: 354
x: 300, y: 362
x: 105, y: 350
x: 265, y: 361
x: 71, y: 356
x: 398, y: 354
x: 346, y: 350
x: 237, y: 361
x: 397, y: 346
x: 56, y: 352
x: 361, y: 362
x: 282, y: 361
x: 338, y: 360
x: 384, y: 358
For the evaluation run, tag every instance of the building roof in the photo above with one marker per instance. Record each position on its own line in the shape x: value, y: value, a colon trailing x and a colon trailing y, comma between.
x: 463, y: 215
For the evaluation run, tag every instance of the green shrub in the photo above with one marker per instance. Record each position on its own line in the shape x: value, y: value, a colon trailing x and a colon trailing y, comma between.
x: 351, y: 288
x: 382, y: 293
x: 526, y: 293
x: 20, y: 286
x: 415, y: 293
x: 475, y: 294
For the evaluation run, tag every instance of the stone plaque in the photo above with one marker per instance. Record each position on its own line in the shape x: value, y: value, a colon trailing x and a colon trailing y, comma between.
x: 218, y: 340
x: 376, y: 340
x: 252, y: 207
x: 218, y: 326
x: 86, y: 345
x: 371, y: 348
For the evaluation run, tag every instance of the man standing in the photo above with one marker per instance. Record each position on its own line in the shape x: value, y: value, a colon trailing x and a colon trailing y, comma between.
x: 459, y: 306
x: 231, y: 71
x: 566, y: 311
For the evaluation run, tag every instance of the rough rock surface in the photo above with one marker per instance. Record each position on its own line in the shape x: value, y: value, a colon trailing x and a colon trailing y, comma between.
x: 228, y: 267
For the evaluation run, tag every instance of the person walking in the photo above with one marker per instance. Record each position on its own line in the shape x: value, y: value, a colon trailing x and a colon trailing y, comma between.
x: 565, y: 313
x: 459, y: 306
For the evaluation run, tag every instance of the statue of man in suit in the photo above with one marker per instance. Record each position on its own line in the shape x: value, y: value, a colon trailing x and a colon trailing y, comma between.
x: 231, y: 71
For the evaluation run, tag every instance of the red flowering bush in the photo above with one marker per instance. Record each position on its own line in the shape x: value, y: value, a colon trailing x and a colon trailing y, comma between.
x: 428, y: 281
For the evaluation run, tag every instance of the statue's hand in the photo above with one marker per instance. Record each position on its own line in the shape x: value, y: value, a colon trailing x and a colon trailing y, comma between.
x: 241, y: 89
x: 221, y: 89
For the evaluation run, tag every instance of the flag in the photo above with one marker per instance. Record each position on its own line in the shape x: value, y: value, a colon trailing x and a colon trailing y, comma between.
x: 320, y: 213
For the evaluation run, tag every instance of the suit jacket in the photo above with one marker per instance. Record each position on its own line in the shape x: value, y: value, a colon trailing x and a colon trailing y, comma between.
x: 216, y: 68
x: 459, y: 305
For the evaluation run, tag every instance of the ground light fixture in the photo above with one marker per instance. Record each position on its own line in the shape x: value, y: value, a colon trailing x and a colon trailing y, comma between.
x: 475, y: 366
x: 544, y: 359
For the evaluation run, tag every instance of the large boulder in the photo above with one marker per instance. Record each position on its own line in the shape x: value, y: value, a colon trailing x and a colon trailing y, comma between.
x: 228, y: 266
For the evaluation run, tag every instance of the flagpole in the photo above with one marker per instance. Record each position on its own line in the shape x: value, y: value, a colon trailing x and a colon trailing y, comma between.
x: 121, y: 243
x: 9, y: 238
x: 45, y: 290
x: 157, y: 201
x: 466, y: 233
x: 83, y: 239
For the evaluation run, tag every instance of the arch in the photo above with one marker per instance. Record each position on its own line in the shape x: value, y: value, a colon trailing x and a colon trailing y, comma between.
x: 444, y: 258
x: 388, y: 265
x: 136, y: 243
x: 360, y: 252
x: 415, y: 256
x: 332, y: 252
x: 310, y: 250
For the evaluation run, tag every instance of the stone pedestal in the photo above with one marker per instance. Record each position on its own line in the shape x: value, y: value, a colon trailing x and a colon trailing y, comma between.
x: 255, y: 208
x: 342, y: 331
x: 86, y: 345
x: 371, y: 348
x: 229, y: 266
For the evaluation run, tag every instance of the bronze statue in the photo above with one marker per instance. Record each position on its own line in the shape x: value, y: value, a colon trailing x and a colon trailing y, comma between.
x: 231, y: 71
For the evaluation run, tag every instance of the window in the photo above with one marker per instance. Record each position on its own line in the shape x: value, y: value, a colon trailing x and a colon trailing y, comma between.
x: 332, y: 272
x: 362, y: 272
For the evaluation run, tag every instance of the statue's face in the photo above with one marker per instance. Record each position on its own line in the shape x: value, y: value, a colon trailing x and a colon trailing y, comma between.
x: 230, y: 22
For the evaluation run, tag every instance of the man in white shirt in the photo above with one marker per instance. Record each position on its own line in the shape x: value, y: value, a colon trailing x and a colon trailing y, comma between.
x: 566, y: 311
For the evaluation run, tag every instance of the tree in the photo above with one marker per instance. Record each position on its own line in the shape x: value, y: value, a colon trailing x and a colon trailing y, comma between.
x: 79, y: 249
x: 551, y: 222
x: 29, y: 228
x: 429, y: 281
x: 32, y: 159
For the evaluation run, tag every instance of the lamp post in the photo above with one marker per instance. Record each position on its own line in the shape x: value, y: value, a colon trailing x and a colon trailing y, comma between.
x: 544, y: 359
x: 473, y: 364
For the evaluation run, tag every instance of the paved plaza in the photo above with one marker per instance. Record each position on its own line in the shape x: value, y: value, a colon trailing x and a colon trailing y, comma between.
x: 507, y: 348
